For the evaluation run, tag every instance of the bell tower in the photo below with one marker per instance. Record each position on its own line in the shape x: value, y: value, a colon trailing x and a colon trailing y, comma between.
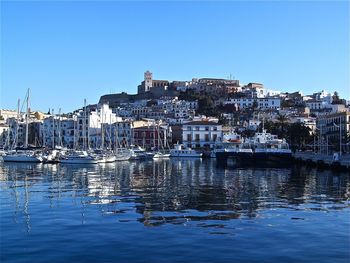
x: 148, y: 80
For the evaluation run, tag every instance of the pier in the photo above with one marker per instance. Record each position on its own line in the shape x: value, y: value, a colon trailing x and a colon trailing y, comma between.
x: 324, y: 160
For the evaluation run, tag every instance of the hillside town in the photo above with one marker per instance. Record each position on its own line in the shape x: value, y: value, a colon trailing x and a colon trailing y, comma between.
x: 195, y: 113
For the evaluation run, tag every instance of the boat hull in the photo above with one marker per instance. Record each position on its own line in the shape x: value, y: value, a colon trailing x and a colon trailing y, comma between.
x: 246, y: 159
x: 272, y: 159
x: 188, y: 155
x: 161, y: 156
x: 76, y: 161
x: 22, y: 159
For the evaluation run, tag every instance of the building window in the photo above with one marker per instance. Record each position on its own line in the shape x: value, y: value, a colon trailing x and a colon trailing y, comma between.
x: 197, y: 137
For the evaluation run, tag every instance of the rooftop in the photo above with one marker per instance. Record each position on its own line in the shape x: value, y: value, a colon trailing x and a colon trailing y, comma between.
x: 201, y: 123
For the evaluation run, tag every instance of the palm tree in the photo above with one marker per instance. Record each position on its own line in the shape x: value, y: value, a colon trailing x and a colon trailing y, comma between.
x: 282, y: 121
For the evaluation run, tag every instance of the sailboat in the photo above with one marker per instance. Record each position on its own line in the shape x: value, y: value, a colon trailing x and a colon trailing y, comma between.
x: 80, y: 157
x: 104, y: 155
x: 24, y: 155
x: 160, y: 154
x: 121, y: 154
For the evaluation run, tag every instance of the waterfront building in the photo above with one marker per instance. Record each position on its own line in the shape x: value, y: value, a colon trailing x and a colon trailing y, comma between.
x: 4, y: 129
x: 333, y: 128
x: 90, y: 133
x: 201, y: 134
x: 16, y: 132
x: 152, y: 136
x: 58, y: 131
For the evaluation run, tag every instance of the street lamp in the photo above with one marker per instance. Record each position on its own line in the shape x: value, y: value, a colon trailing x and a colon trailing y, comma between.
x: 339, y: 126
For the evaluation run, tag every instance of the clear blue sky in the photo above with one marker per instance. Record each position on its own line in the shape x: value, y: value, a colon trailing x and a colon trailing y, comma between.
x: 67, y: 51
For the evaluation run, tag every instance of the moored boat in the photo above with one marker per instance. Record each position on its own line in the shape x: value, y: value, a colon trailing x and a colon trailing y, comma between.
x: 23, y: 156
x: 79, y: 157
x: 181, y: 151
x: 161, y: 155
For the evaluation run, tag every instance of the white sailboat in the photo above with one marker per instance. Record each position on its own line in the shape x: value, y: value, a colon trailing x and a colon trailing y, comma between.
x: 121, y: 153
x: 81, y: 157
x: 23, y: 155
x: 161, y: 154
x: 104, y: 155
x: 139, y: 153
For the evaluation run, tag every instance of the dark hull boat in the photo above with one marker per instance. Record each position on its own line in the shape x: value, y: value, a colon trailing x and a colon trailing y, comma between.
x: 263, y: 150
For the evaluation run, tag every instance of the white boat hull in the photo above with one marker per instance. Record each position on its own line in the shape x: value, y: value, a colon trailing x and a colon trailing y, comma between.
x: 181, y: 152
x: 78, y: 161
x: 161, y: 156
x: 107, y: 159
x: 22, y: 159
x: 191, y: 155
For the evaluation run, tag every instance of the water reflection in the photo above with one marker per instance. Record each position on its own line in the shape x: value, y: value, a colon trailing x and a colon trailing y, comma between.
x: 171, y: 191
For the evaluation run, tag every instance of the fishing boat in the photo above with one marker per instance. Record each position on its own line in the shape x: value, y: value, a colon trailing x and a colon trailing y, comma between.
x: 181, y: 151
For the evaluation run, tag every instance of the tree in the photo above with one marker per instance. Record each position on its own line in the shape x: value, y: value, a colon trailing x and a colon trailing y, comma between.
x: 282, y: 120
x: 298, y: 135
x: 335, y: 98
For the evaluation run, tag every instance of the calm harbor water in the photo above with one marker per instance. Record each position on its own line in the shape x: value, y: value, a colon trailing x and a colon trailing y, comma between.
x: 172, y: 211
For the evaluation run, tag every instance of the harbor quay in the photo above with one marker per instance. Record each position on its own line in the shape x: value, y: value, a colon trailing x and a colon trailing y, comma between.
x: 334, y: 161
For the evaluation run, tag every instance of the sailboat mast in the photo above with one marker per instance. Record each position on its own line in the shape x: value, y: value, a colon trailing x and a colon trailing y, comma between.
x: 17, y: 126
x: 53, y: 129
x: 84, y: 126
x: 74, y: 136
x: 27, y: 126
x: 59, y: 128
x: 154, y: 134
x: 115, y: 137
x: 102, y: 131
x: 110, y: 132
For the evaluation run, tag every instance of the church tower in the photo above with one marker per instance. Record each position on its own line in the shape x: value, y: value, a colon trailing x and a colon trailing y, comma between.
x: 148, y: 80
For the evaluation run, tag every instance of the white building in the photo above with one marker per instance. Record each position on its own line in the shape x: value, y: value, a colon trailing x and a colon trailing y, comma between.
x: 6, y: 114
x: 261, y: 103
x: 316, y: 105
x: 254, y: 124
x: 309, y: 122
x: 4, y: 139
x: 205, y: 134
x: 94, y: 121
x: 58, y: 131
